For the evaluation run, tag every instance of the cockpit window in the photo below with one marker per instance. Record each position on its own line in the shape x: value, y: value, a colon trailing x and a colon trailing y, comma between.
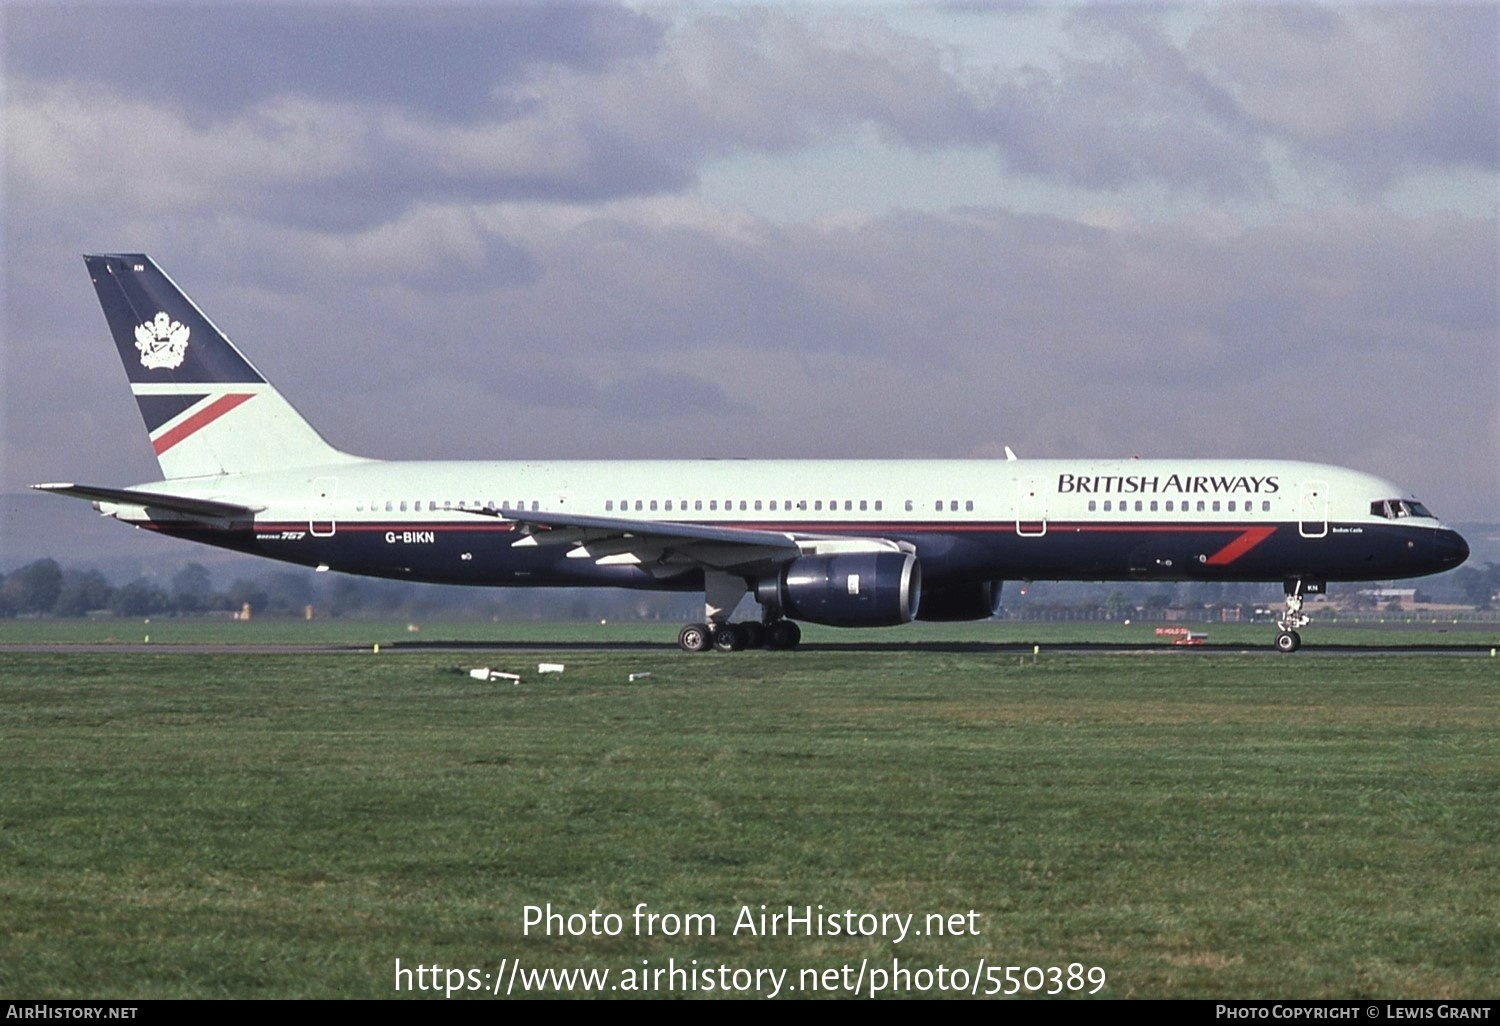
x: 1396, y: 509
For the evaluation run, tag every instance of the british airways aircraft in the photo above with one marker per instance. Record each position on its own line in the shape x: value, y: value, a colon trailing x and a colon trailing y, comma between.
x: 848, y: 543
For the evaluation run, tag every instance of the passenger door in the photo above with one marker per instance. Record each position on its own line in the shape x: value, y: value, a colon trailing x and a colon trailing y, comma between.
x: 321, y: 521
x: 1031, y: 508
x: 1312, y: 510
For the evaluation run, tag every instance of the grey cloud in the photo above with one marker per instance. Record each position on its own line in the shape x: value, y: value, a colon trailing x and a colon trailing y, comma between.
x: 336, y: 116
x: 585, y: 104
x: 665, y: 395
x: 349, y: 140
x: 448, y: 61
x: 1377, y: 91
x: 1142, y: 113
x: 763, y: 80
x: 1047, y: 298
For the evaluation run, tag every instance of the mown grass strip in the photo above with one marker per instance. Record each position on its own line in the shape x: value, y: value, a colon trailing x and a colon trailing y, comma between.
x: 289, y: 825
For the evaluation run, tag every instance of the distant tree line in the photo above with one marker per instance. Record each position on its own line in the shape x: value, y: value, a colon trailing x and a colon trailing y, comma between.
x: 1477, y: 586
x: 45, y: 588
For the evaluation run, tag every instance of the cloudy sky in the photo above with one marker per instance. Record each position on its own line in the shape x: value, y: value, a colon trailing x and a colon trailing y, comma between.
x: 774, y: 230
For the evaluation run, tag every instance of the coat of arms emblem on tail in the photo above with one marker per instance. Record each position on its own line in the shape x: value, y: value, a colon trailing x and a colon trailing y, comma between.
x: 162, y: 342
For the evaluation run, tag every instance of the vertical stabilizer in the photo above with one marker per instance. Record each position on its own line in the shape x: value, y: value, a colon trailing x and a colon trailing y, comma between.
x: 207, y: 410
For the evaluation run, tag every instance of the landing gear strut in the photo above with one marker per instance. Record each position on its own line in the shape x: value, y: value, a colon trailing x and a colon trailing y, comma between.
x: 1287, y: 638
x: 722, y: 592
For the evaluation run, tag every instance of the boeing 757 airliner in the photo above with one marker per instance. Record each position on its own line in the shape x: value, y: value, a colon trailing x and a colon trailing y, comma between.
x: 848, y: 543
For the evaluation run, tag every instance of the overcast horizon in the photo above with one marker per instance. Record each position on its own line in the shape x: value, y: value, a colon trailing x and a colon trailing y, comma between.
x: 747, y: 230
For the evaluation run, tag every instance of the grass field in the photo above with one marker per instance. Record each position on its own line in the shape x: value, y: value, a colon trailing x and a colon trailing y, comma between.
x: 365, y: 633
x: 1197, y: 825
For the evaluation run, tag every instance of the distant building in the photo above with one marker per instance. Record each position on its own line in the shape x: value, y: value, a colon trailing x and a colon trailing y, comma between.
x: 1397, y: 594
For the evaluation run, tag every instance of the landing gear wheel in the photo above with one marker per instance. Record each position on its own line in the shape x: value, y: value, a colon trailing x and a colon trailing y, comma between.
x: 694, y: 638
x: 728, y: 637
x: 783, y: 635
x: 755, y: 634
x: 1288, y: 641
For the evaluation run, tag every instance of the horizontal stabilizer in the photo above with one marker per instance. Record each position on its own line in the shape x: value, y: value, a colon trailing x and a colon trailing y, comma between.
x: 183, y: 504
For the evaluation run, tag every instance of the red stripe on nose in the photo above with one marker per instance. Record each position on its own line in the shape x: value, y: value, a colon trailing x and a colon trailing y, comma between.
x: 1247, y: 540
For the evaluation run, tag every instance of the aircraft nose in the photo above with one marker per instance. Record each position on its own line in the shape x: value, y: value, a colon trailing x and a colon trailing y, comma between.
x: 1450, y: 549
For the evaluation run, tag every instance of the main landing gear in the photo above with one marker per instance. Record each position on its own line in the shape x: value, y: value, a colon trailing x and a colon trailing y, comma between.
x: 722, y: 592
x: 778, y: 634
x: 1287, y: 638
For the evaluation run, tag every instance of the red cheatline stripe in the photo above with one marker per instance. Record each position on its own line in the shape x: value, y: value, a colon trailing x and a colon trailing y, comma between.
x: 204, y: 417
x: 1241, y: 545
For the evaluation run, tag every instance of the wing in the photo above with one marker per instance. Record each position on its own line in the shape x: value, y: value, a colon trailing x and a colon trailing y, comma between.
x: 666, y: 548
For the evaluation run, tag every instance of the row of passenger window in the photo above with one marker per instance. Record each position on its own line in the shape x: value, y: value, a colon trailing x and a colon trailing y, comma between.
x: 741, y: 505
x: 771, y: 505
x: 669, y: 505
x: 435, y: 505
x: 1185, y: 506
x: 818, y: 506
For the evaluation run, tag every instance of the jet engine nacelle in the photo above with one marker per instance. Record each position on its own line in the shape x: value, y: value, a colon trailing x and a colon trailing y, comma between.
x: 856, y: 589
x: 976, y: 600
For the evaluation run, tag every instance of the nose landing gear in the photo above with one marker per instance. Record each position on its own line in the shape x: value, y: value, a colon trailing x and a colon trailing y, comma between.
x: 1287, y: 638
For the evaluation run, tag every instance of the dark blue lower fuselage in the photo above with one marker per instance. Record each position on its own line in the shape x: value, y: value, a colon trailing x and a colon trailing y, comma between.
x: 483, y: 552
